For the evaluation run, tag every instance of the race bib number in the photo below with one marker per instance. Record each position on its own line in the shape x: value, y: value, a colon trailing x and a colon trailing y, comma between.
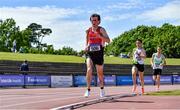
x: 94, y: 47
x: 157, y: 66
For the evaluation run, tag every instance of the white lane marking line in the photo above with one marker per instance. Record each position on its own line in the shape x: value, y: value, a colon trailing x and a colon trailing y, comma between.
x: 32, y: 92
x: 38, y: 89
x: 34, y: 96
x: 89, y: 102
x: 68, y: 106
x: 29, y: 91
x: 42, y: 101
x: 39, y: 101
x: 30, y: 97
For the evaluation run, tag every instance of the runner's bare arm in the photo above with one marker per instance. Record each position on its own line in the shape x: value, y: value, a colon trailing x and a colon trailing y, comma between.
x: 87, y: 37
x: 143, y: 54
x: 86, y: 46
x: 151, y: 61
x: 164, y: 62
x: 104, y: 35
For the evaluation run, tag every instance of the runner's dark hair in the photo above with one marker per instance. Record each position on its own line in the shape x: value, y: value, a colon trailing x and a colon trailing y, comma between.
x: 95, y: 15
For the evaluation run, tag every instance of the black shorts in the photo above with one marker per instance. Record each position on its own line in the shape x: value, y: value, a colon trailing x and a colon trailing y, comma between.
x: 157, y: 71
x: 140, y: 67
x: 97, y: 57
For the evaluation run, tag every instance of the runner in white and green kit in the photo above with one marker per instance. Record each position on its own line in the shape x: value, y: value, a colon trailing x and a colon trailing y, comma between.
x: 139, y: 55
x: 157, y: 63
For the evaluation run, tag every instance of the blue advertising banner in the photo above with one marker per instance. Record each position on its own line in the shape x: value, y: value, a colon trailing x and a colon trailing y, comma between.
x: 124, y: 80
x: 147, y: 80
x: 80, y: 80
x: 11, y: 80
x: 176, y: 79
x: 166, y: 80
x: 37, y: 80
x: 109, y: 80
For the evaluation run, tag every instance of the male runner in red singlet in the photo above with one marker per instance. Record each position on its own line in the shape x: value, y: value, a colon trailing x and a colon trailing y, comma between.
x: 95, y: 40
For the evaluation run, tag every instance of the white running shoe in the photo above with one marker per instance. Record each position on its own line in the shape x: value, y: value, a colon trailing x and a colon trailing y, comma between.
x: 157, y: 89
x: 102, y: 93
x: 87, y: 93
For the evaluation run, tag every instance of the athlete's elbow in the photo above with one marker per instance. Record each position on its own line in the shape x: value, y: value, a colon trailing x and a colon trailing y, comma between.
x: 108, y: 40
x: 143, y: 56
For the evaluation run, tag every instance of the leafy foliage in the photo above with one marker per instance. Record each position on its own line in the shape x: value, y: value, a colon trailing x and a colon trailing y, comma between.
x: 30, y: 39
x: 167, y: 36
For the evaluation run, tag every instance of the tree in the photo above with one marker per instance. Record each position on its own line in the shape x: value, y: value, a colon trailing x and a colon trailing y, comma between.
x: 38, y: 33
x: 68, y: 51
x: 44, y: 32
x: 8, y: 33
x: 167, y: 36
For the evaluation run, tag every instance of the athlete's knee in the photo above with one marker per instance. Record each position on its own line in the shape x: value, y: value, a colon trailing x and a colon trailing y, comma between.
x: 141, y: 79
x: 99, y: 70
x: 158, y: 78
x: 89, y: 70
x: 134, y: 70
x: 141, y: 75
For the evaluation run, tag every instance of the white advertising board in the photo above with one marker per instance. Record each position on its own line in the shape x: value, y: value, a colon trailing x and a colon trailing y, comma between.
x: 61, y: 81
